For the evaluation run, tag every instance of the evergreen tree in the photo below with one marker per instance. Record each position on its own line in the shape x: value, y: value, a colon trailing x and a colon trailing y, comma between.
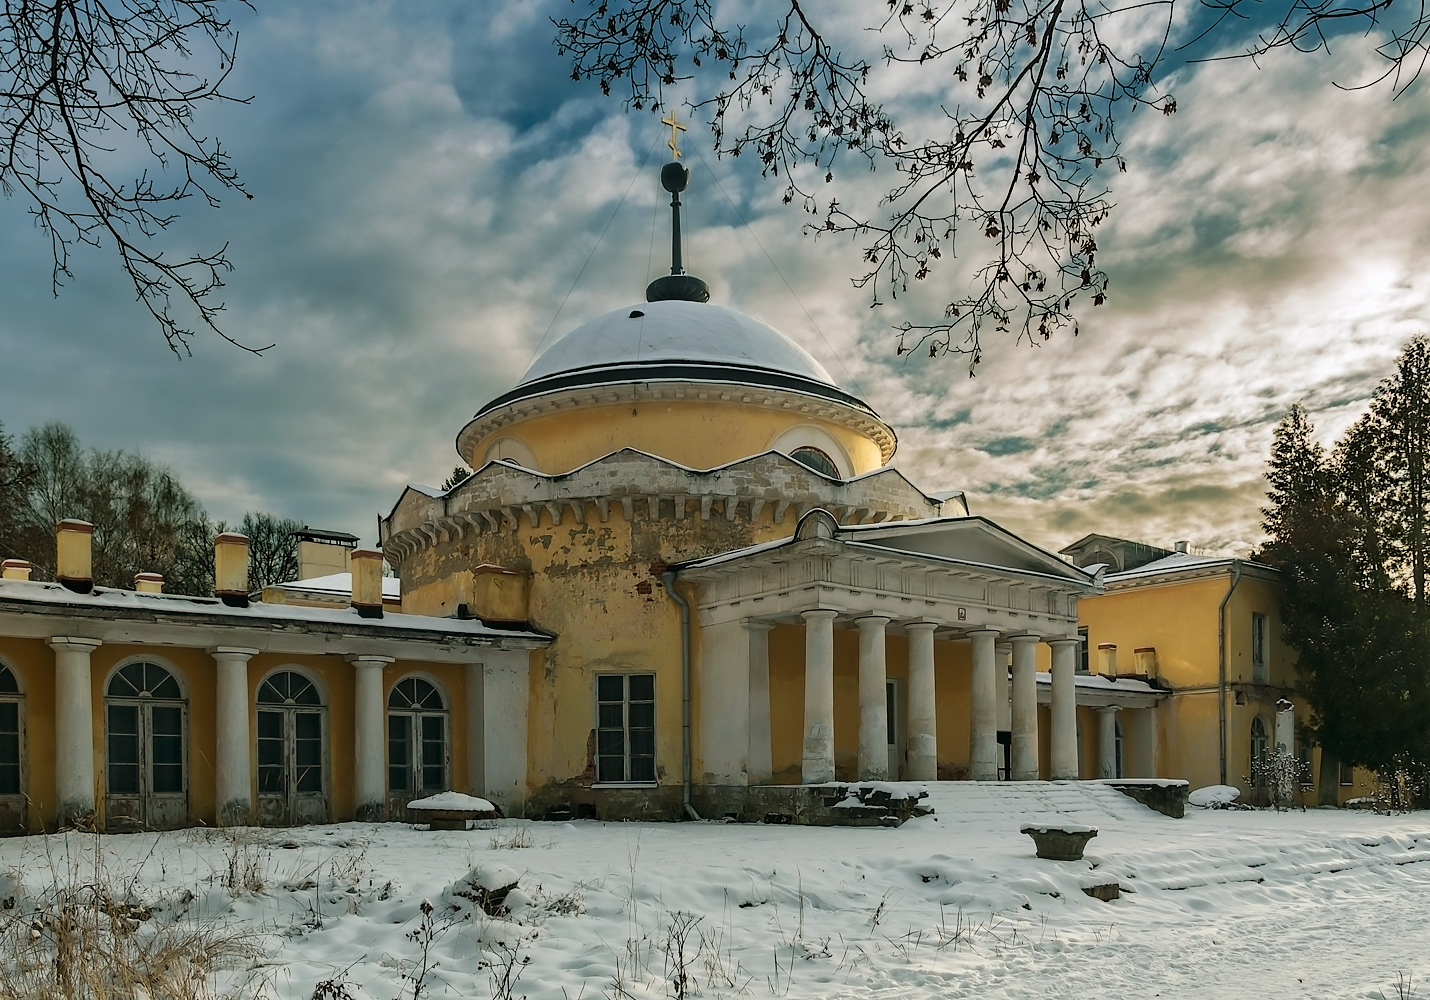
x: 1348, y: 535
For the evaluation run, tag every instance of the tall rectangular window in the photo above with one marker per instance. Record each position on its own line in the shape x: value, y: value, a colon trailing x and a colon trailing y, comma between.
x: 1258, y: 649
x: 9, y: 748
x: 625, y: 727
x: 1084, y: 664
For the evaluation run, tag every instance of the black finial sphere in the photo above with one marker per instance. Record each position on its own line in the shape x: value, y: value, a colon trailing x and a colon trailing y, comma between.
x: 674, y: 177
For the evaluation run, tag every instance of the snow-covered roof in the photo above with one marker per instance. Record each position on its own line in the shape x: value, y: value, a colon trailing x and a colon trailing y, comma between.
x: 675, y: 331
x: 675, y: 341
x: 104, y: 603
x: 1178, y: 562
x: 341, y: 585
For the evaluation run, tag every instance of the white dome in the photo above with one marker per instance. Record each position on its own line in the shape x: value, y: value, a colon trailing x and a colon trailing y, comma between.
x: 672, y: 331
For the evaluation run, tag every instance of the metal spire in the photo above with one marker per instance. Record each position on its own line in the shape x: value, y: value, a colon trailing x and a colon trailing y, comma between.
x: 674, y: 177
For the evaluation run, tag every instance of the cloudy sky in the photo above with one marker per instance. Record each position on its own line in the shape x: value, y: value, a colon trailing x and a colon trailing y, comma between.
x: 428, y: 184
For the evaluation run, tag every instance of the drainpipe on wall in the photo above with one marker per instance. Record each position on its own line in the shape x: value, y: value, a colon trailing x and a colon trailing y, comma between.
x: 1221, y: 661
x: 667, y: 580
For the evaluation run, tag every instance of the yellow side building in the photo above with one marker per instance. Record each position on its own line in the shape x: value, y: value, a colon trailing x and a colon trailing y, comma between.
x: 1207, y: 630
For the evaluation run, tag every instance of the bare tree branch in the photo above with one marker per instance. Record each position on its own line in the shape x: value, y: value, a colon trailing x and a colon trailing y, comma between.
x: 88, y: 88
x: 1017, y: 163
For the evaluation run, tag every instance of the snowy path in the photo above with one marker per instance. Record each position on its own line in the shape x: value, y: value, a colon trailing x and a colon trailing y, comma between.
x: 1221, y: 904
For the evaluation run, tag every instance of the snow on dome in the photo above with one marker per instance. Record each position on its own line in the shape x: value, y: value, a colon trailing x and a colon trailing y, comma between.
x: 673, y: 330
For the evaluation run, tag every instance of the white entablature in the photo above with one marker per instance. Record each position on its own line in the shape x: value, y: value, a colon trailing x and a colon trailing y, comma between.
x: 963, y: 573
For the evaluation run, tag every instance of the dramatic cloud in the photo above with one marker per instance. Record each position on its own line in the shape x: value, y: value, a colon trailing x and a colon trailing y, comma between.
x: 429, y: 186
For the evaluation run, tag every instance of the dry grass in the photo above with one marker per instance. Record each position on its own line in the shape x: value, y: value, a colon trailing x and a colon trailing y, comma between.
x: 93, y: 939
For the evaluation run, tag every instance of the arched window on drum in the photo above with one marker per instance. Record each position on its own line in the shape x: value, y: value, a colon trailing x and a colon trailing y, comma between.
x: 12, y: 748
x: 417, y: 752
x: 145, y: 721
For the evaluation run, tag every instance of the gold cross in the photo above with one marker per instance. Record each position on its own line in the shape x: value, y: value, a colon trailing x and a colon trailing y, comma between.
x: 675, y: 129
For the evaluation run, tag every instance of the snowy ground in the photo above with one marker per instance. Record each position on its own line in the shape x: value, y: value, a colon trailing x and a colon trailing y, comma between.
x: 1321, y: 903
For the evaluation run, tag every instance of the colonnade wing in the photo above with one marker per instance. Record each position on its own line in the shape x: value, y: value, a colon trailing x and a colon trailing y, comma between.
x: 961, y: 578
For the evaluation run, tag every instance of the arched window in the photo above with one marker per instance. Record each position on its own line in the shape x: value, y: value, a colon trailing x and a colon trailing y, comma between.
x: 1259, y: 747
x: 817, y: 460
x: 292, y: 777
x: 416, y: 742
x: 9, y: 733
x: 12, y: 748
x: 144, y: 718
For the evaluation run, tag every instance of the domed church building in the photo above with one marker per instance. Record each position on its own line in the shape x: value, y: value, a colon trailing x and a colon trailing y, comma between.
x: 683, y: 580
x: 741, y: 591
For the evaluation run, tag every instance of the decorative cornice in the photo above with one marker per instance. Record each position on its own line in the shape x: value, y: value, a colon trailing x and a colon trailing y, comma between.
x: 502, y: 497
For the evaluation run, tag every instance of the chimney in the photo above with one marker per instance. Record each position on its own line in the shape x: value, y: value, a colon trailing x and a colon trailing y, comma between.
x: 1107, y: 659
x: 14, y: 569
x: 1146, y: 659
x: 231, y: 569
x: 73, y: 565
x: 367, y: 582
x: 149, y: 583
x: 1181, y: 547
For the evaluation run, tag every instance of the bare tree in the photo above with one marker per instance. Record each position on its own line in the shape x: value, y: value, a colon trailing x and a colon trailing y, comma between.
x: 1015, y: 159
x: 89, y: 88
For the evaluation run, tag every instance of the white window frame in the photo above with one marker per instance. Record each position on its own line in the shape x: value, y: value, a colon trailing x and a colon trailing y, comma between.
x: 625, y: 728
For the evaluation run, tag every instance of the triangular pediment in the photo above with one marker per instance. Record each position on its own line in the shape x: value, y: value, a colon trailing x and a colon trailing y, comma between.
x: 965, y: 539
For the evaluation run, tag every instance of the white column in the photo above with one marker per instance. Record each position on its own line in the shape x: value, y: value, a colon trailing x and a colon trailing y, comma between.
x: 873, y: 700
x: 1286, y: 726
x: 983, y: 707
x: 923, y: 707
x: 1025, y: 707
x: 1062, y: 751
x: 74, y: 727
x: 724, y: 724
x: 506, y: 682
x: 760, y: 765
x: 369, y: 738
x: 233, y: 750
x: 1107, y: 742
x: 818, y: 760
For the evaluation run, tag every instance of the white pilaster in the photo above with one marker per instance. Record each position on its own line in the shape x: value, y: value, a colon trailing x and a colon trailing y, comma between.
x: 724, y: 703
x: 923, y: 715
x: 818, y: 758
x: 74, y: 727
x: 1147, y: 739
x: 873, y: 700
x: 983, y: 707
x: 369, y: 738
x: 1107, y: 742
x: 1025, y: 707
x: 760, y: 765
x: 1062, y: 749
x: 476, y: 730
x: 233, y: 745
x: 506, y: 682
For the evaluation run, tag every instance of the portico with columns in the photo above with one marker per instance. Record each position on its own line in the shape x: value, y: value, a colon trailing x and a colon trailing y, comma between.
x: 929, y: 605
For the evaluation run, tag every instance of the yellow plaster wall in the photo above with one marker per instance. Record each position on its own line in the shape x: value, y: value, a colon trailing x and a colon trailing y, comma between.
x: 597, y: 587
x: 701, y: 434
x: 952, y: 666
x: 34, y: 664
x: 1180, y: 621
